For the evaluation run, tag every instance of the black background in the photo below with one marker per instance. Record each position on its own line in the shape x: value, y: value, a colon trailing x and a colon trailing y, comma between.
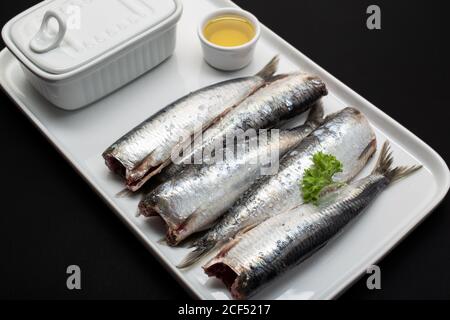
x: 50, y: 218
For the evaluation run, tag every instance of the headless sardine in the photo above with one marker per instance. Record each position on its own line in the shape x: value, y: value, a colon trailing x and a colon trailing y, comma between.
x: 146, y: 149
x: 257, y: 256
x: 347, y: 135
x: 287, y: 96
x: 199, y: 195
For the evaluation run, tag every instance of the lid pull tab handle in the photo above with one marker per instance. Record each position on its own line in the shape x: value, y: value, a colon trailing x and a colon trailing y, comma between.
x: 45, y: 40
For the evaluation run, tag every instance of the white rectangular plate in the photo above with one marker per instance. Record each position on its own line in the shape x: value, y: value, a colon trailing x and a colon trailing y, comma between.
x: 83, y: 135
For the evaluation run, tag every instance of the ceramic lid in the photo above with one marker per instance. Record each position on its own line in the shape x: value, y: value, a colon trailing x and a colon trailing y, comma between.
x: 59, y: 36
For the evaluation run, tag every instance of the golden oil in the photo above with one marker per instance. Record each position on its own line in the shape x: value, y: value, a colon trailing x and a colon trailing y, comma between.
x: 229, y: 31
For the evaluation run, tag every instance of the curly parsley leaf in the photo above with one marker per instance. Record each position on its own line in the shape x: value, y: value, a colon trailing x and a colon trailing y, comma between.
x: 319, y: 176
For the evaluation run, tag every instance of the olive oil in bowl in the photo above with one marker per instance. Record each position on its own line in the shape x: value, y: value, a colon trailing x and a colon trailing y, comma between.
x: 229, y: 37
x: 229, y: 31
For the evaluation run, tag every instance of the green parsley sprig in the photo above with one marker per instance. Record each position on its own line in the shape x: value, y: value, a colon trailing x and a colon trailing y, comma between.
x: 319, y: 176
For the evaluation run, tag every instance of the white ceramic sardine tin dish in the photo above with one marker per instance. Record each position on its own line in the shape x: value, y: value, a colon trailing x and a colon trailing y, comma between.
x: 74, y: 53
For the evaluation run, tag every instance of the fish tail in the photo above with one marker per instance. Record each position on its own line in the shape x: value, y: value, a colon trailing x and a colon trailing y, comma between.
x: 202, y: 248
x: 385, y: 168
x: 190, y: 243
x: 123, y: 193
x: 163, y: 241
x: 316, y: 115
x: 270, y: 69
x: 315, y: 119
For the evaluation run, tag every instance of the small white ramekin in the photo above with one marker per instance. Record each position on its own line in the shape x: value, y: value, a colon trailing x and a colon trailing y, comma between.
x: 229, y: 58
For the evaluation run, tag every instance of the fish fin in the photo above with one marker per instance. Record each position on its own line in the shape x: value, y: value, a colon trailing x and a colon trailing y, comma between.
x: 278, y: 77
x: 270, y: 69
x: 138, y: 172
x: 136, y: 185
x: 193, y: 240
x: 384, y: 166
x: 162, y: 241
x: 202, y: 248
x: 246, y: 229
x: 173, y: 234
x: 189, y: 242
x: 316, y: 115
x: 369, y: 150
x: 227, y: 247
x: 196, y: 239
x: 314, y: 120
x: 123, y: 193
x: 230, y: 244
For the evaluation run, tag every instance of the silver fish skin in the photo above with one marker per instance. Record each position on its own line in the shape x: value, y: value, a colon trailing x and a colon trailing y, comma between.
x: 146, y: 149
x: 254, y: 258
x: 197, y: 197
x: 289, y: 95
x: 347, y: 135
